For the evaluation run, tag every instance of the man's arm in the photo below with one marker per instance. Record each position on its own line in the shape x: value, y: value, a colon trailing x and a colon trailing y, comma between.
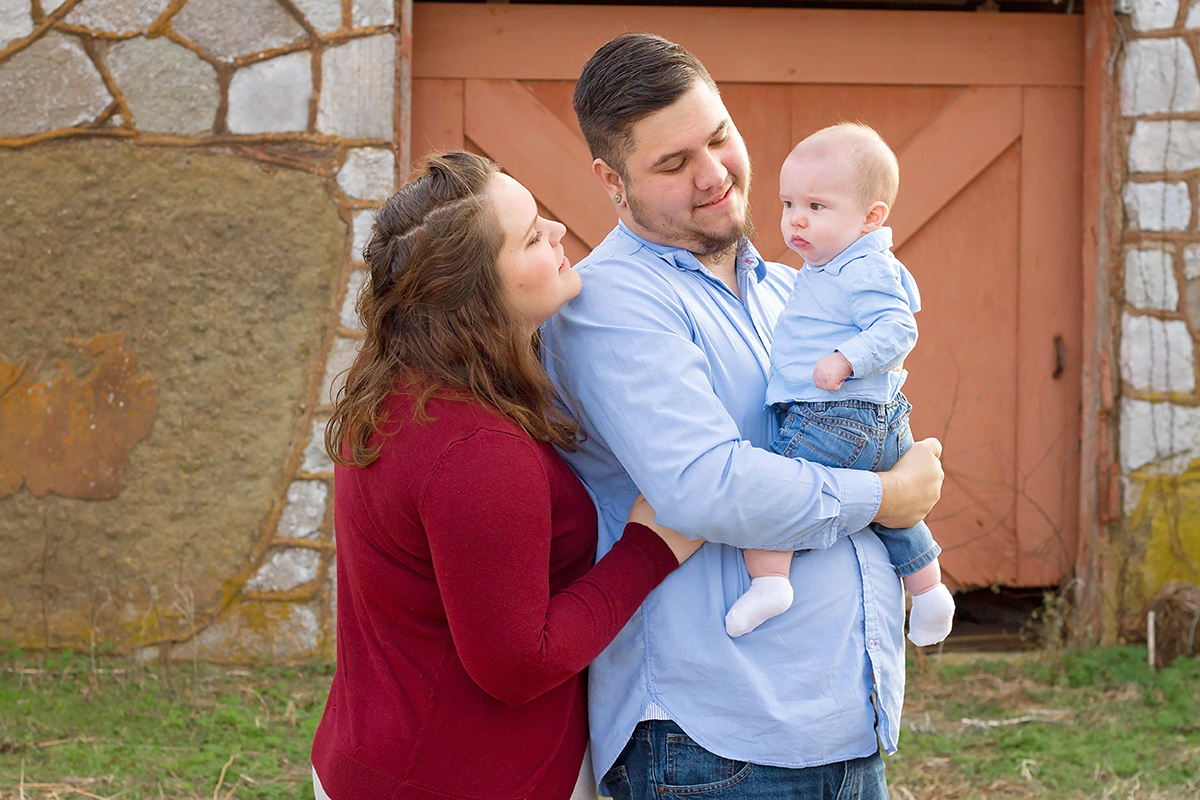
x: 912, y: 486
x: 624, y: 352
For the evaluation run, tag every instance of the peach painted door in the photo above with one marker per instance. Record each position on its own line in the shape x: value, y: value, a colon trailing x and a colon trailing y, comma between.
x: 984, y: 112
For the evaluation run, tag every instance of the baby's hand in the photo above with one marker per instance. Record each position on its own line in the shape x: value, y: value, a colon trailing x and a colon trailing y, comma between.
x: 831, y: 372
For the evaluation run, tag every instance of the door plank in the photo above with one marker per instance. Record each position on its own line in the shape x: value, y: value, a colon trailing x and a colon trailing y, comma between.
x: 756, y: 45
x: 950, y: 151
x: 962, y: 375
x: 761, y: 112
x: 897, y: 112
x: 557, y: 96
x: 1049, y: 306
x: 437, y: 116
x: 535, y: 147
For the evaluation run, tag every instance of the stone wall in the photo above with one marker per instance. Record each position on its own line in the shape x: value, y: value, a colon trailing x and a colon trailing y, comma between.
x: 1159, y: 298
x: 185, y: 189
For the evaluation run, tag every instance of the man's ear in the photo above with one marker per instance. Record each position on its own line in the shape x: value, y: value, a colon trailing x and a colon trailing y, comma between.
x: 610, y: 179
x: 877, y: 214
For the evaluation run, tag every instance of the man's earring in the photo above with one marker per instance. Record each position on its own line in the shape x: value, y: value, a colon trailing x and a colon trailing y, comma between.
x: 617, y: 198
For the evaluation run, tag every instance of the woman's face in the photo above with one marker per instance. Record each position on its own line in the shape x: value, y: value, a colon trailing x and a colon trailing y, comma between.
x: 538, y: 278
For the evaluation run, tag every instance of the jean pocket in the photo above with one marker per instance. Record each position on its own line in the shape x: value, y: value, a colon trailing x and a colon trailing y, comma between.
x: 825, y: 441
x: 690, y: 770
x: 617, y: 783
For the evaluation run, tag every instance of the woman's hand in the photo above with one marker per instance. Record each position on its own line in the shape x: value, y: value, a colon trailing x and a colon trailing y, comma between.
x: 912, y: 486
x: 680, y: 545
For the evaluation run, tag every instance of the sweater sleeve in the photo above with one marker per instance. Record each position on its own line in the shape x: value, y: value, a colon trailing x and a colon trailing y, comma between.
x: 487, y: 512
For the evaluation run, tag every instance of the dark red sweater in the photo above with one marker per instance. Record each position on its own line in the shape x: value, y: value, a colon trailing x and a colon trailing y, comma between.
x: 468, y: 607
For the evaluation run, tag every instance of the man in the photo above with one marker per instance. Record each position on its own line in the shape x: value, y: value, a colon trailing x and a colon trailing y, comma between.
x: 664, y: 356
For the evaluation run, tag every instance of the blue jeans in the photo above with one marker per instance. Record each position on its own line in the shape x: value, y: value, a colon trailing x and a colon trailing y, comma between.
x: 857, y: 434
x: 661, y: 762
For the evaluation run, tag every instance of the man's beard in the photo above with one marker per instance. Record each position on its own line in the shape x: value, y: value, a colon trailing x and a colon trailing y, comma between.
x: 696, y: 242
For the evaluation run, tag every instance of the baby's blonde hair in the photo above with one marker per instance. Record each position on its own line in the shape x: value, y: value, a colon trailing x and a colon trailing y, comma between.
x: 875, y: 164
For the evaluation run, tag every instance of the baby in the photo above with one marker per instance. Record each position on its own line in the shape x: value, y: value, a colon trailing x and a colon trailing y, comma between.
x: 836, y: 361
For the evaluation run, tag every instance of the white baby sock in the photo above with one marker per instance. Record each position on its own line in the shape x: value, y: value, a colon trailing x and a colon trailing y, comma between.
x: 767, y: 597
x: 931, y: 617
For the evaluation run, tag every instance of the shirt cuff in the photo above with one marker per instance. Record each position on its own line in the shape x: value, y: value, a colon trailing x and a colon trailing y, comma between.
x: 858, y: 357
x: 861, y: 494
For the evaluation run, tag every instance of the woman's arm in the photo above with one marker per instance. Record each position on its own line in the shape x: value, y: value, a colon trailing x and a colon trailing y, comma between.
x: 487, y: 511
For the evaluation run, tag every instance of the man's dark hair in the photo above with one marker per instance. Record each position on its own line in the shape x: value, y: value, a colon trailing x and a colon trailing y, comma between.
x: 627, y: 79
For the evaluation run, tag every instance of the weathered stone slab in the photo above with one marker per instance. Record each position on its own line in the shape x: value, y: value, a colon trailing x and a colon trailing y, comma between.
x: 1191, y: 262
x: 340, y: 358
x: 50, y: 84
x: 221, y: 275
x: 231, y: 28
x: 16, y: 22
x: 367, y: 13
x: 324, y: 15
x: 368, y: 173
x: 1157, y: 206
x: 363, y: 223
x: 1158, y: 437
x: 68, y: 435
x: 349, y: 316
x: 331, y: 593
x: 1157, y: 355
x: 1164, y: 146
x: 252, y: 631
x: 1193, y: 18
x: 1159, y: 76
x: 1154, y: 15
x: 285, y: 569
x: 305, y: 510
x: 316, y: 460
x: 169, y: 88
x: 358, y: 88
x: 1150, y: 279
x: 116, y: 16
x: 271, y: 96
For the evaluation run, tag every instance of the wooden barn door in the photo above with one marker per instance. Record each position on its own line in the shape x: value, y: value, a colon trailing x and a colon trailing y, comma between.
x: 984, y: 112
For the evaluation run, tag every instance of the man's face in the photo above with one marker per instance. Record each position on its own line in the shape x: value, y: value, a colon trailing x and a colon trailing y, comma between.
x: 687, y: 177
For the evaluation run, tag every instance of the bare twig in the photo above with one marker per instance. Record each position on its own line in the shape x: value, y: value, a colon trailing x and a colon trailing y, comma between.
x: 1037, y: 715
x: 221, y: 780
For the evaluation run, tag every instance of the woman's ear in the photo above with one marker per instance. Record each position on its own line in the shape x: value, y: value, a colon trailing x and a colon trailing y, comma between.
x: 877, y: 214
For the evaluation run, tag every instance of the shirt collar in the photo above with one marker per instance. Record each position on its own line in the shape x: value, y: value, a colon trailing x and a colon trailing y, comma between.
x: 876, y: 241
x: 748, y: 258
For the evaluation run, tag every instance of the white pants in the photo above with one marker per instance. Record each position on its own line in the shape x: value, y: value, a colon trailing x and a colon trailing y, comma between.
x: 317, y: 788
x: 585, y: 784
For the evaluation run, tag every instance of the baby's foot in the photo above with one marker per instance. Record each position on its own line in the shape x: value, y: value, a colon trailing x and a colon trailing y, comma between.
x: 931, y: 617
x: 767, y: 597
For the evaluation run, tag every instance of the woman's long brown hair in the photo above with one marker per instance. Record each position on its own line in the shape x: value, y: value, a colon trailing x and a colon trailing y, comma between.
x: 435, y: 315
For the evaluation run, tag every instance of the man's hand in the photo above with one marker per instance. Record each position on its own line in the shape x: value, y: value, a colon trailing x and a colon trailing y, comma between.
x: 831, y: 372
x: 680, y: 545
x: 913, y: 486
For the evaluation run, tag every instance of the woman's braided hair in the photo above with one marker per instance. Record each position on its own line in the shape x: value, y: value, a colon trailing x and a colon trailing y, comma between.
x: 435, y: 315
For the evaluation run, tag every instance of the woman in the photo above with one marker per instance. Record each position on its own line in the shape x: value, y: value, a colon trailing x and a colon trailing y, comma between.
x: 468, y: 603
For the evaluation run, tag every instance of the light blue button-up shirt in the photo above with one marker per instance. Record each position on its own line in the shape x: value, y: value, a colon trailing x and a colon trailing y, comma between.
x: 861, y: 304
x: 667, y: 369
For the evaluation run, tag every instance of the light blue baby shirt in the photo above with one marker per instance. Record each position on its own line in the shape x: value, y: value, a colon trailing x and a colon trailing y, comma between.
x: 861, y: 304
x: 667, y: 368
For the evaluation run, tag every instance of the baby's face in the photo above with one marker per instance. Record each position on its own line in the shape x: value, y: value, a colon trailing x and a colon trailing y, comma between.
x: 822, y: 212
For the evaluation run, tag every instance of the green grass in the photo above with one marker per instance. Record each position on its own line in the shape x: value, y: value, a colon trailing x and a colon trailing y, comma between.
x: 1104, y: 725
x: 149, y: 732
